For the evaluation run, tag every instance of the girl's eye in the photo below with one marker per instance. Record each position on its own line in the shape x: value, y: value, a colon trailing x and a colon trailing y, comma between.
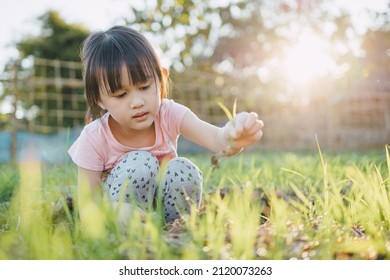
x: 121, y: 95
x: 144, y: 87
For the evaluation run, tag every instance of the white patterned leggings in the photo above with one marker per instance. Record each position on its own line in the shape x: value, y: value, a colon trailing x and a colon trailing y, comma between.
x: 135, y: 178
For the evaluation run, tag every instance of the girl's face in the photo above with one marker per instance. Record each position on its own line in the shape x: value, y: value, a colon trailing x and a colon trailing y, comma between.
x: 135, y: 106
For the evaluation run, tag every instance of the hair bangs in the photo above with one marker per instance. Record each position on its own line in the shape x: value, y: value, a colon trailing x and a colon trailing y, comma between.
x: 109, y: 68
x: 140, y: 70
x: 105, y: 55
x: 140, y: 66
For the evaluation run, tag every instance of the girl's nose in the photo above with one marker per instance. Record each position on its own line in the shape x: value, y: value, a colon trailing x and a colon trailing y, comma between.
x: 137, y: 100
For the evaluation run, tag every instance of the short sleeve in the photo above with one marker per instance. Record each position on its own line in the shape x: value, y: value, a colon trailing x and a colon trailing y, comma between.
x: 172, y: 116
x: 84, y: 152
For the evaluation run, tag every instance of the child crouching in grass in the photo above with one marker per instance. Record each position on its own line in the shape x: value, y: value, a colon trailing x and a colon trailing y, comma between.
x: 135, y: 127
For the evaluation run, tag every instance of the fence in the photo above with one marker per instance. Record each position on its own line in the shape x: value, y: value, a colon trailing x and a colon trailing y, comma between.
x: 348, y: 123
x: 51, y: 92
x: 357, y: 118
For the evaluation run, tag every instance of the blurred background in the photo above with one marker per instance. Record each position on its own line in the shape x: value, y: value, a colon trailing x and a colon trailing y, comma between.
x: 310, y: 68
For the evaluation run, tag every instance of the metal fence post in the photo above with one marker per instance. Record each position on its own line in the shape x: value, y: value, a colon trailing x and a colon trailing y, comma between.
x: 14, y: 120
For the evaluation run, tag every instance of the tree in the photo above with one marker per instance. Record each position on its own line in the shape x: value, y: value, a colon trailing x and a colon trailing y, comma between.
x: 246, y: 32
x: 184, y: 29
x: 376, y: 44
x: 58, y: 39
x: 239, y: 37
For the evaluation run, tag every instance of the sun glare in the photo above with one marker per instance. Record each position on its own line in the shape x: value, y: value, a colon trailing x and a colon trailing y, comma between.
x: 307, y: 59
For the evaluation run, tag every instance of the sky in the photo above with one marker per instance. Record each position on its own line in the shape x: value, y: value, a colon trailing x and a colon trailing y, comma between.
x: 18, y: 18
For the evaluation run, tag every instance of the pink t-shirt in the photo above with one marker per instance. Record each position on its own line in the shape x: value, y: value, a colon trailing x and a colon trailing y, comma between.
x: 96, y: 148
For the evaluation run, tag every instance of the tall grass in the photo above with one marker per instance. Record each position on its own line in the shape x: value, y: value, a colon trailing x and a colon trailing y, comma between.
x: 255, y: 206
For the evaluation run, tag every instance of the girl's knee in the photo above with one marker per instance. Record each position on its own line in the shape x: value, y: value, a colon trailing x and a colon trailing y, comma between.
x: 178, y: 201
x: 182, y: 187
x: 137, y: 164
x: 182, y: 170
x: 135, y: 157
x: 182, y: 174
x: 134, y: 178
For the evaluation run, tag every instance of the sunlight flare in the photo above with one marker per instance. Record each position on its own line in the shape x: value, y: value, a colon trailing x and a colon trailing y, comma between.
x: 307, y: 59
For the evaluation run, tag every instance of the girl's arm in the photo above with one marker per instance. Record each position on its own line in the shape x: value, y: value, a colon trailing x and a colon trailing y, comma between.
x: 88, y: 184
x: 89, y: 178
x: 244, y: 130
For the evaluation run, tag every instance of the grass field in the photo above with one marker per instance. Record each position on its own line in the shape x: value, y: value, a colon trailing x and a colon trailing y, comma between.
x: 256, y: 206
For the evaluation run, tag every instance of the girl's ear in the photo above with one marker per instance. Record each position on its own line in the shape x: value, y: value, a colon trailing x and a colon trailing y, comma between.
x: 165, y: 72
x: 164, y: 83
x: 101, y: 105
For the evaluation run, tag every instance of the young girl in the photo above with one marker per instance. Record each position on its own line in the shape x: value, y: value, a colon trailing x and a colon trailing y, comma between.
x: 134, y: 129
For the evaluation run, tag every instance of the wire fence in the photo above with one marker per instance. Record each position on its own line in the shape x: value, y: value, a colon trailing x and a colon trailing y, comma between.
x: 52, y: 95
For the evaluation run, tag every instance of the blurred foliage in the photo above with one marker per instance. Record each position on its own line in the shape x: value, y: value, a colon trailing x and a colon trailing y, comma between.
x: 247, y: 32
x: 376, y: 45
x: 182, y: 28
x: 248, y: 41
x: 240, y: 39
x: 58, y: 39
x: 9, y: 180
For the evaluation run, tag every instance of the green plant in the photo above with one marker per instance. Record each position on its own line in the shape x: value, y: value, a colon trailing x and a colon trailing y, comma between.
x: 256, y: 206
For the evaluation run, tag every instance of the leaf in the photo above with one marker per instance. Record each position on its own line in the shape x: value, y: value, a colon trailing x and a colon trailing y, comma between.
x: 226, y: 110
x: 388, y: 159
x: 300, y: 195
x: 324, y: 169
x: 235, y: 107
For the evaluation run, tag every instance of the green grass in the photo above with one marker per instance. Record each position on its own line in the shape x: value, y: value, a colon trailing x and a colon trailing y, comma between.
x: 256, y: 205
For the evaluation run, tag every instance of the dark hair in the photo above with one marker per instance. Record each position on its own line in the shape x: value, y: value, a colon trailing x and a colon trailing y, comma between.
x: 103, y: 55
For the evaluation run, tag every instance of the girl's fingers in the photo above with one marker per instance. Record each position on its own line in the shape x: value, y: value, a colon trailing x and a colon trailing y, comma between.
x: 244, y: 125
x: 257, y: 136
x: 248, y: 140
x: 239, y: 123
x: 251, y: 124
x: 250, y: 120
x: 256, y: 126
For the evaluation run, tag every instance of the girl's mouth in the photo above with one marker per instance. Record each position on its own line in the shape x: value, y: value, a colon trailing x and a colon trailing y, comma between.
x: 141, y: 116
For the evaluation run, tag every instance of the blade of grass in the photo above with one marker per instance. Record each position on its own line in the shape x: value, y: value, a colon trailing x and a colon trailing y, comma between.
x: 325, y: 177
x: 292, y: 172
x: 228, y: 113
x: 388, y: 159
x: 235, y: 107
x: 300, y: 195
x: 225, y: 110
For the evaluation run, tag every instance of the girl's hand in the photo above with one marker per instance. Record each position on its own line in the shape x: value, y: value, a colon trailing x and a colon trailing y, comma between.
x: 244, y: 130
